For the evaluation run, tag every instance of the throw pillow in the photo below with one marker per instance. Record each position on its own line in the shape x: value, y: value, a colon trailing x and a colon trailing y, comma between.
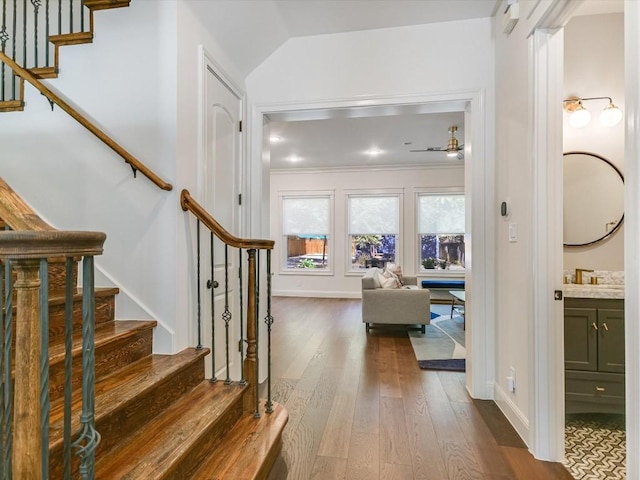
x: 389, y: 275
x: 389, y: 282
x: 397, y: 270
x: 376, y: 274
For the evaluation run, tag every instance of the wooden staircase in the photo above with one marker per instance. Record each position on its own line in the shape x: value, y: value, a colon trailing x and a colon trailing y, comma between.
x: 157, y: 415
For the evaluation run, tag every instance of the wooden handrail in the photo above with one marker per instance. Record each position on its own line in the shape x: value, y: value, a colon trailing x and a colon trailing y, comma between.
x: 82, y: 120
x: 46, y: 244
x: 189, y: 204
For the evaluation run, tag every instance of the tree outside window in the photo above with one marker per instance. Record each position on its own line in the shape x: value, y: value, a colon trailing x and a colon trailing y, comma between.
x: 441, y: 219
x: 373, y: 229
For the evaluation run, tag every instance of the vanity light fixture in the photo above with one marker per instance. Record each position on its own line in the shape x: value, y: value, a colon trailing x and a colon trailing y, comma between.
x: 580, y: 116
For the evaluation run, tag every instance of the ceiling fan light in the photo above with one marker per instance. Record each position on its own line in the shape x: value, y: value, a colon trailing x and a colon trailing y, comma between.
x: 610, y: 116
x: 452, y: 153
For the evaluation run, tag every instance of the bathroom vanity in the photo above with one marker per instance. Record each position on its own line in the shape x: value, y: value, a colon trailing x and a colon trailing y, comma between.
x: 594, y: 349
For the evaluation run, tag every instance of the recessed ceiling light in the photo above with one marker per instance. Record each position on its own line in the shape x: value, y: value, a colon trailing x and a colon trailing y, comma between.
x: 374, y: 152
x: 294, y: 158
x: 275, y: 139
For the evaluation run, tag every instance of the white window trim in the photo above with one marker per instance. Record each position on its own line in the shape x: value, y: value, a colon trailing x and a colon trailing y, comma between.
x: 282, y: 260
x: 398, y: 192
x: 418, y: 266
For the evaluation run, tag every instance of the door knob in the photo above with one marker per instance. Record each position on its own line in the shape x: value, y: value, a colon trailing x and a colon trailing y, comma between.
x: 215, y: 284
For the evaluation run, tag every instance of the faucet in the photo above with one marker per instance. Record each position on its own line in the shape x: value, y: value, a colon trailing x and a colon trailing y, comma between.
x: 579, y: 272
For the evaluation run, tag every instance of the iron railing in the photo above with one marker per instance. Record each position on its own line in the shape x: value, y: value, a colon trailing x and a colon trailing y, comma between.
x: 24, y: 363
x: 248, y: 250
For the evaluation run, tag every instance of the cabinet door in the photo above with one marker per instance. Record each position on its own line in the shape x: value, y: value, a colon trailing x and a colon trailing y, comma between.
x: 580, y: 339
x: 611, y: 340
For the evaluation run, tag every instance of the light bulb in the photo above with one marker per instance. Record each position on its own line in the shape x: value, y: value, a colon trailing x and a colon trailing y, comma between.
x: 580, y: 117
x: 610, y: 116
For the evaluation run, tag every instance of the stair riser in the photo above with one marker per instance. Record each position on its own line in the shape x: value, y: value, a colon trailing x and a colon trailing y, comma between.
x: 105, y: 312
x: 109, y: 358
x: 208, y: 441
x: 138, y: 411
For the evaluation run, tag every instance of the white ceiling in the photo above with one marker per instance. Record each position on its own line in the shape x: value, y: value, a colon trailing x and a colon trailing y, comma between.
x: 248, y: 31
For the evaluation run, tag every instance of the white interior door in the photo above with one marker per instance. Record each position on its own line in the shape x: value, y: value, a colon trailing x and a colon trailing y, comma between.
x: 221, y: 200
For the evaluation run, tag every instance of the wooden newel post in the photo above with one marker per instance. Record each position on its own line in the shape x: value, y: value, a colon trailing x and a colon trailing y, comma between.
x: 251, y: 360
x: 27, y: 437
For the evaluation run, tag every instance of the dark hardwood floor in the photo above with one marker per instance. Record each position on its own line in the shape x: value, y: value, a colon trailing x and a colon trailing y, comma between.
x: 361, y: 408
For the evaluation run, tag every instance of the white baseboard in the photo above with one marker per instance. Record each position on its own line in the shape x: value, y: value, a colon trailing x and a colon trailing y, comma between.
x: 315, y: 294
x: 519, y: 421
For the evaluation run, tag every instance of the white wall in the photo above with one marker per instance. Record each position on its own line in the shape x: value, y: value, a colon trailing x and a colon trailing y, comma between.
x: 594, y: 67
x: 123, y: 81
x: 341, y: 283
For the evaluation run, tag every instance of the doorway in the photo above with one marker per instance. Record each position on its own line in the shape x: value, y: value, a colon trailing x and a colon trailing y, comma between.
x: 219, y: 174
x: 479, y: 188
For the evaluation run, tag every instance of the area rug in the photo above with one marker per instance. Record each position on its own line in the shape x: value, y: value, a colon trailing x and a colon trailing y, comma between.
x: 442, y: 347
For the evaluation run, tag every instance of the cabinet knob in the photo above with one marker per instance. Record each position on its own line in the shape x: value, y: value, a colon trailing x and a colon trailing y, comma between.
x: 604, y: 325
x: 595, y: 327
x: 600, y: 389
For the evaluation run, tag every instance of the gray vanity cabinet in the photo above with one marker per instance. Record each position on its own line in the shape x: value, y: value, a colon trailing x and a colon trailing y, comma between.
x: 594, y: 355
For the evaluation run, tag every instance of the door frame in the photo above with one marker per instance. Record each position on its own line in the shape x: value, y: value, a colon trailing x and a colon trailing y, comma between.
x: 480, y: 200
x: 547, y: 425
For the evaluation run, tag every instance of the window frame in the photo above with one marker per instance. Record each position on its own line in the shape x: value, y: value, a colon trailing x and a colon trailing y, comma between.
x: 437, y: 191
x: 399, y: 193
x: 282, y: 261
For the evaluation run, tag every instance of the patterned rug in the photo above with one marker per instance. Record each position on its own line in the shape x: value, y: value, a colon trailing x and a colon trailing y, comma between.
x: 595, y: 447
x: 442, y: 347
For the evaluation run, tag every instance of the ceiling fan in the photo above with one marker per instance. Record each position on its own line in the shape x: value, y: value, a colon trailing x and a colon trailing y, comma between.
x: 453, y: 149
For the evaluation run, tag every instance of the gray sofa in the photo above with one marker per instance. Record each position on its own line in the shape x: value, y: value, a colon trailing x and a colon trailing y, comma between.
x: 409, y: 305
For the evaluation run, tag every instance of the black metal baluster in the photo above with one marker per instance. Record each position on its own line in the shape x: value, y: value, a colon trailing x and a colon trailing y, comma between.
x: 59, y: 17
x: 8, y: 389
x: 3, y: 282
x: 46, y: 35
x: 212, y: 285
x: 45, y: 405
x: 89, y: 438
x: 4, y: 36
x: 269, y: 321
x: 70, y: 16
x: 24, y: 34
x: 242, y: 381
x: 13, y: 48
x: 36, y: 8
x: 256, y: 414
x: 226, y: 315
x: 81, y: 17
x: 199, y: 347
x: 68, y: 363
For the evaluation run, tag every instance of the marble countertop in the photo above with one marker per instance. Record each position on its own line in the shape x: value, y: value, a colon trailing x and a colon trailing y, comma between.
x: 594, y: 291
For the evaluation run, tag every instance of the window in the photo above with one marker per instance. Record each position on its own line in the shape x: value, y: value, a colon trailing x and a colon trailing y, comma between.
x: 306, y: 229
x: 441, y: 231
x: 374, y: 225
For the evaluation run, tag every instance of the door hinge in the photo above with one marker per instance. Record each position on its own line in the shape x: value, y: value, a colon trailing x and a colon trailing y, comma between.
x: 239, y: 199
x: 240, y: 126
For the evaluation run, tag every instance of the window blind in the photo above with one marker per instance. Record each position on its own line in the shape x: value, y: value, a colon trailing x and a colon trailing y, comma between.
x: 306, y: 216
x: 374, y: 215
x: 441, y: 214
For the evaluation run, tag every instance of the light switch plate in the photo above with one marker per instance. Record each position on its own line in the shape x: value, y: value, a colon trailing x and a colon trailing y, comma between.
x: 513, y: 232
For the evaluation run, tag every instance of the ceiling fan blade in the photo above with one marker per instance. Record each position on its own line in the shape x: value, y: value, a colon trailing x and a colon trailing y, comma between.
x: 430, y: 149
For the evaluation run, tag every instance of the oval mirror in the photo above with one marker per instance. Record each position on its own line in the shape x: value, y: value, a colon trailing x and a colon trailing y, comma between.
x: 593, y: 198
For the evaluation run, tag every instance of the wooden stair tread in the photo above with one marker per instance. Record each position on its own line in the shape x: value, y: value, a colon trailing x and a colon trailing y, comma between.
x: 157, y: 447
x: 116, y: 389
x: 104, y: 334
x: 76, y: 38
x: 105, y: 4
x: 249, y: 450
x: 44, y: 72
x: 12, y: 106
x: 58, y: 297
